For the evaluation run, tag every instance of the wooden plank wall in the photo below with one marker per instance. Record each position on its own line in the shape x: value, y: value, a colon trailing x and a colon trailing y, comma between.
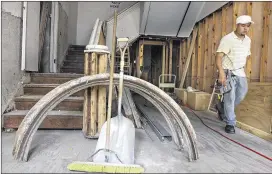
x: 256, y: 109
x: 202, y: 70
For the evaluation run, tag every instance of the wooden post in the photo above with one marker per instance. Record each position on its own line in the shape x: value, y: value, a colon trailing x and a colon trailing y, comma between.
x: 205, y: 62
x: 234, y: 14
x: 190, y: 51
x: 263, y: 68
x: 224, y: 15
x: 102, y: 63
x: 166, y: 61
x: 170, y: 58
x: 163, y: 63
x: 250, y: 34
x: 186, y: 82
x: 214, y: 25
x: 87, y: 97
x: 94, y: 90
x: 210, y: 55
x: 199, y: 56
x: 139, y: 60
x: 180, y: 60
x: 94, y: 107
x: 194, y: 67
x: 90, y: 98
x: 184, y: 52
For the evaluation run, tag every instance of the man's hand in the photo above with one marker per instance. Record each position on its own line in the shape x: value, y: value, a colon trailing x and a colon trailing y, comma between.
x: 222, y: 78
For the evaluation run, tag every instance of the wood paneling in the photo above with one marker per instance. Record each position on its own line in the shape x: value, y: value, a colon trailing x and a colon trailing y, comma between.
x: 222, y: 22
x: 256, y: 110
x: 269, y: 53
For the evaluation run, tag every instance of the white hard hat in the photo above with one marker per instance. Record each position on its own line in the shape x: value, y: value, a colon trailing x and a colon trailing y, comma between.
x: 244, y: 19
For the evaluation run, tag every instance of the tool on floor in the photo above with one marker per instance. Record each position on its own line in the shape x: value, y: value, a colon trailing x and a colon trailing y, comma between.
x: 216, y: 97
x: 114, y: 152
x: 120, y: 139
x: 115, y: 147
x: 216, y: 103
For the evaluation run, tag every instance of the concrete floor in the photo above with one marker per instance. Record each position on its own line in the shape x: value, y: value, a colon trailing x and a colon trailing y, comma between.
x: 53, y: 150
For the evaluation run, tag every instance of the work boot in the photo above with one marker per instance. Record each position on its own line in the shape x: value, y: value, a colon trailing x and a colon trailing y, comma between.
x: 230, y: 129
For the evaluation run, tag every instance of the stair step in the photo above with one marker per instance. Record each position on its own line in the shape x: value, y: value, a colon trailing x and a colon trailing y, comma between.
x: 76, y: 52
x: 56, y: 78
x: 54, y: 119
x: 73, y: 61
x: 26, y: 102
x: 73, y: 64
x: 61, y: 75
x: 42, y: 89
x: 77, y: 47
x: 78, y: 66
x: 75, y: 57
x: 72, y: 70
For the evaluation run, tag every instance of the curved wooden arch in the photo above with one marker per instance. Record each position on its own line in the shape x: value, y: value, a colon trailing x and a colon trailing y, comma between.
x: 170, y: 109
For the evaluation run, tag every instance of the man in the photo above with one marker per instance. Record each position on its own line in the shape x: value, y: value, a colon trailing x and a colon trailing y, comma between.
x: 231, y: 57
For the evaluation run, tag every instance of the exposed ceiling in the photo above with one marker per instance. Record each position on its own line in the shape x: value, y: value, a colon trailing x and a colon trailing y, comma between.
x: 170, y: 19
x: 174, y: 19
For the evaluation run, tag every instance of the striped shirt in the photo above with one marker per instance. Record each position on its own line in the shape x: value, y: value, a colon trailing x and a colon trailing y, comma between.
x: 236, y: 52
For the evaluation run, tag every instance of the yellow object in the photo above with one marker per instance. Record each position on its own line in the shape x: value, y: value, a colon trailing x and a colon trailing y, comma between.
x: 104, y: 167
x: 141, y: 55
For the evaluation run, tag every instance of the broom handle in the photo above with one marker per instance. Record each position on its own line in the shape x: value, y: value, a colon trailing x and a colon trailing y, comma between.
x: 111, y: 83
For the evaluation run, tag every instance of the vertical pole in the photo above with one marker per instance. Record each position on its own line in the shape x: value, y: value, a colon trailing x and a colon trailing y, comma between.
x: 102, y: 63
x: 139, y: 61
x: 170, y: 60
x: 250, y: 34
x: 93, y: 129
x: 166, y: 63
x: 24, y: 36
x: 265, y: 45
x: 111, y: 79
x: 87, y: 97
x: 163, y: 63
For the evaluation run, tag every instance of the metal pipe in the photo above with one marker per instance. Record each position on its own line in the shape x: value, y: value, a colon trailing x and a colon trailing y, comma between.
x: 56, y: 29
x: 23, y: 63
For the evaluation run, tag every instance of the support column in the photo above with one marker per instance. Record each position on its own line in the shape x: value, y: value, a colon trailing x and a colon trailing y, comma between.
x: 94, y: 107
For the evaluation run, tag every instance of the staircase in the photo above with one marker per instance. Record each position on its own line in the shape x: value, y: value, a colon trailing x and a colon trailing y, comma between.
x: 68, y: 113
x: 74, y: 62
